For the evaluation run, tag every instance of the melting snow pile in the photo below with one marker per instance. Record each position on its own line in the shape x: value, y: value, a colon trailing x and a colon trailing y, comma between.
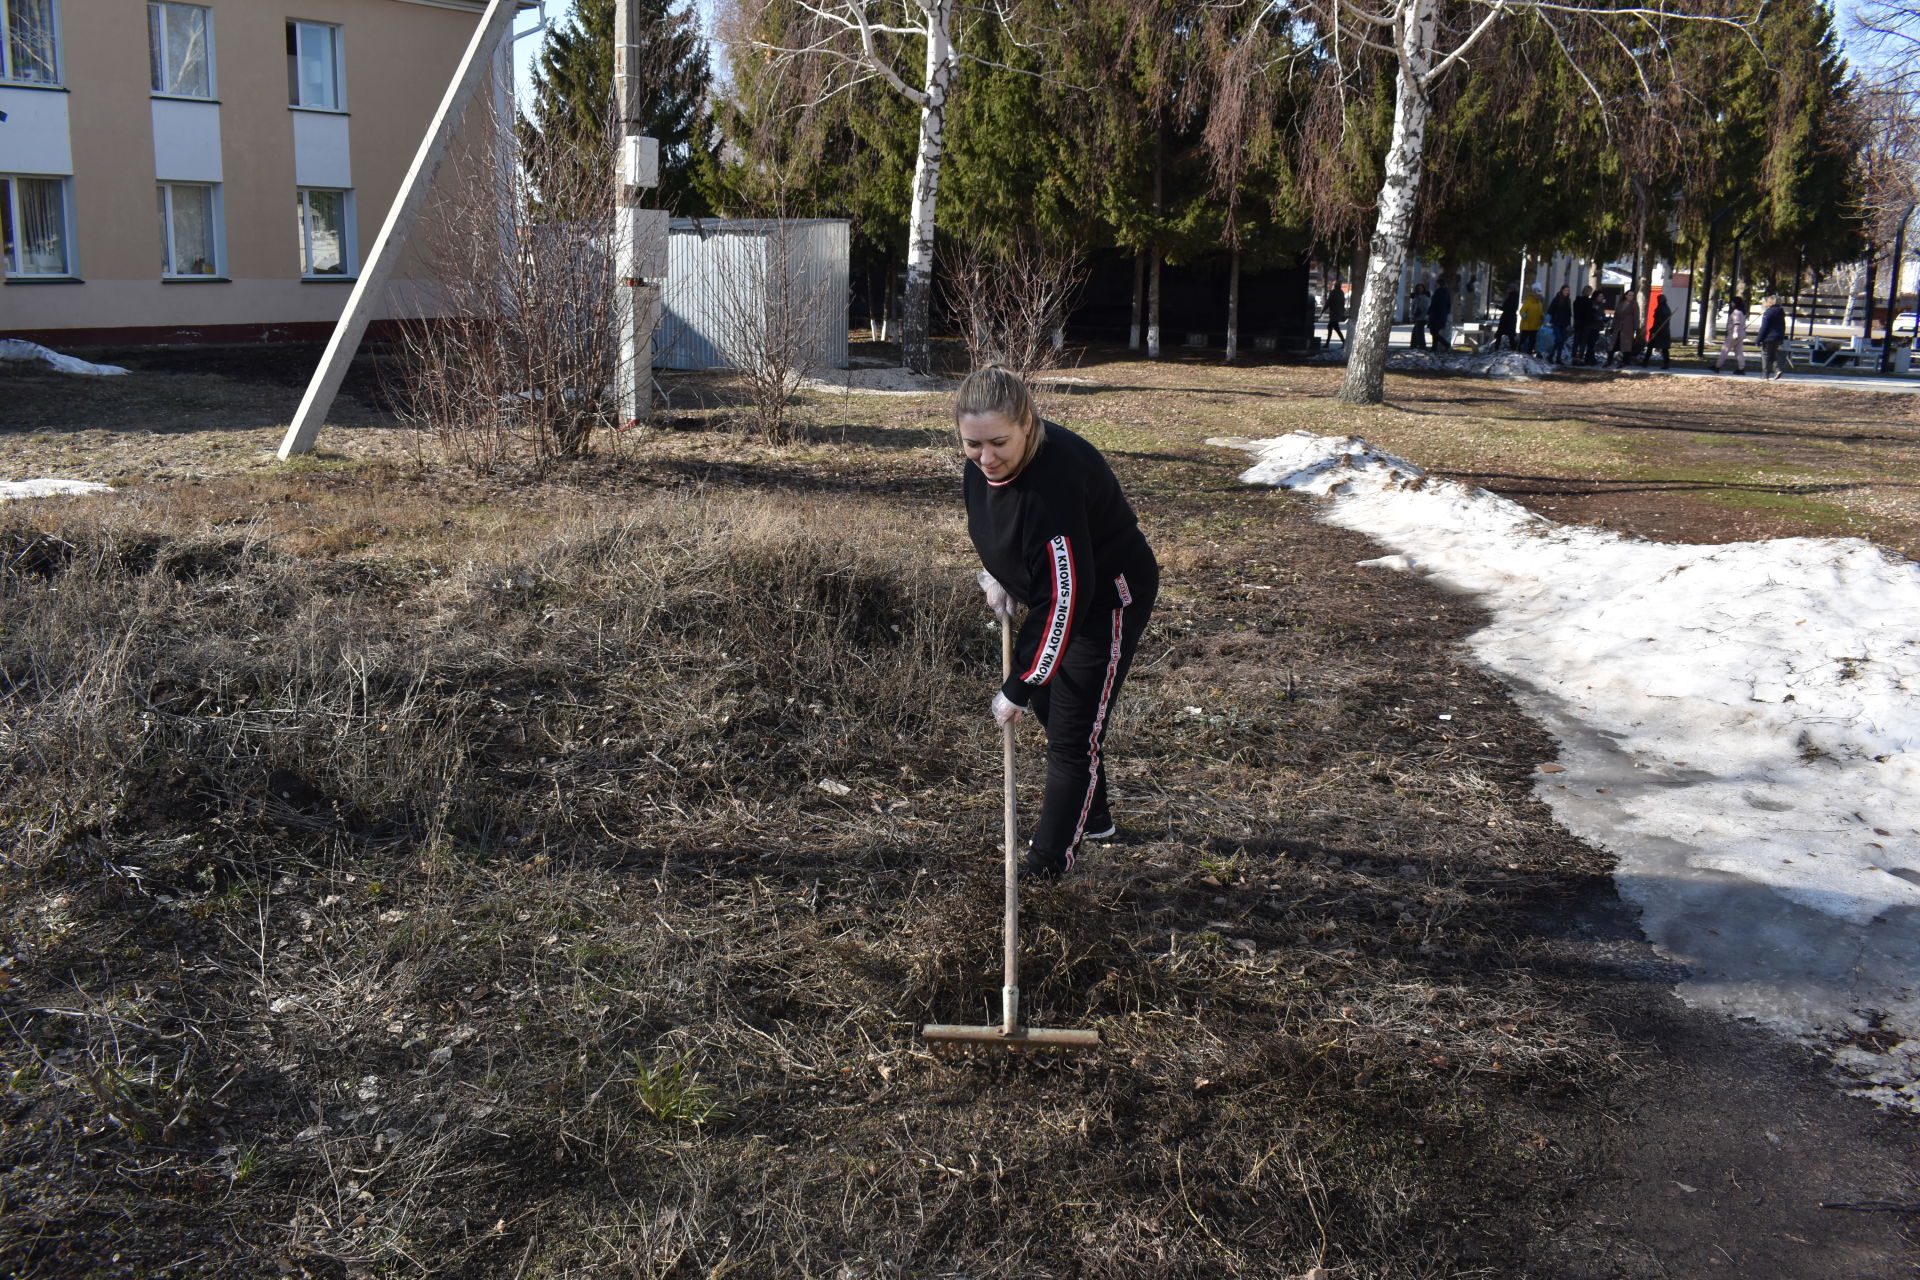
x: 10, y: 489
x: 18, y: 349
x: 1740, y: 726
x: 1512, y: 366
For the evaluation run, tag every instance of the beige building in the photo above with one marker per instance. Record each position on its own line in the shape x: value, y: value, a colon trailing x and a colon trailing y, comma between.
x: 176, y: 172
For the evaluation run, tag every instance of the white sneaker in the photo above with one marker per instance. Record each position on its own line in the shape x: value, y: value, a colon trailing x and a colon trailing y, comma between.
x: 1101, y: 835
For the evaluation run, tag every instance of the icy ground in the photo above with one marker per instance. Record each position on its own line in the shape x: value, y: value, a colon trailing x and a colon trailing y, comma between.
x: 891, y: 380
x: 19, y: 349
x: 1739, y: 725
x: 47, y: 488
x: 864, y: 376
x: 1509, y: 365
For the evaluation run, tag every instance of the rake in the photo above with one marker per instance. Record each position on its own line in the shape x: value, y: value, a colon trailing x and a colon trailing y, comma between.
x: 1009, y: 1034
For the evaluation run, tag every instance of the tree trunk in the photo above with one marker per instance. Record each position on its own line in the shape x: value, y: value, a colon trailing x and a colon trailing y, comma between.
x: 1233, y: 308
x: 941, y: 62
x: 1366, y: 377
x: 1159, y: 201
x: 1873, y: 278
x: 1893, y: 290
x: 1153, y: 309
x: 1139, y: 299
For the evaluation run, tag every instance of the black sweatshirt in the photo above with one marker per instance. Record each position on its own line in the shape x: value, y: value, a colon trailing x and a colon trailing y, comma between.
x: 1061, y: 539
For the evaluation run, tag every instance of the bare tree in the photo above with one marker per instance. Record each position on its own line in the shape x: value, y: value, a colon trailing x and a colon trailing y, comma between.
x: 1889, y: 158
x: 1239, y: 128
x: 768, y: 291
x: 863, y: 40
x: 515, y: 355
x: 1013, y: 304
x: 1889, y: 34
x: 1419, y: 41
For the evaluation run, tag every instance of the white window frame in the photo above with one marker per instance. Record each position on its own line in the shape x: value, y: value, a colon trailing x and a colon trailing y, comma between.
x: 213, y: 67
x: 217, y: 213
x: 7, y: 70
x: 336, y: 38
x: 7, y: 263
x: 349, y: 240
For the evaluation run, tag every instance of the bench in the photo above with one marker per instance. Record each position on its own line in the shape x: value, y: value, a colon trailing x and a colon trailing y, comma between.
x: 1862, y: 354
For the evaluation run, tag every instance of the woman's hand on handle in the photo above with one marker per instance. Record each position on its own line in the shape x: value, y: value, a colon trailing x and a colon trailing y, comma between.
x: 1005, y: 710
x: 997, y: 598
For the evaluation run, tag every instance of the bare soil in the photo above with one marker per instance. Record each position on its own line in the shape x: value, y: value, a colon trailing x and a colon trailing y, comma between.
x: 415, y: 872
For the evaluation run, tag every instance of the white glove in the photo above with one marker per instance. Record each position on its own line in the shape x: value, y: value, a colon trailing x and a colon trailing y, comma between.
x: 1005, y: 710
x: 997, y: 598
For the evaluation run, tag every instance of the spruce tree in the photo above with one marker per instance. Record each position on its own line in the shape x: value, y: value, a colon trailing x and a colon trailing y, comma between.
x: 568, y: 135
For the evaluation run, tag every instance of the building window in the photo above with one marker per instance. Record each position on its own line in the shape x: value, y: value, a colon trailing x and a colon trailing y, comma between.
x: 189, y: 230
x: 313, y: 66
x: 31, y: 53
x: 35, y: 226
x: 326, y: 233
x: 180, y: 47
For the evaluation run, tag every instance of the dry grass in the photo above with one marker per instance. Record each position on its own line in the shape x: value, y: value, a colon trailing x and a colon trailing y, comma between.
x: 412, y: 874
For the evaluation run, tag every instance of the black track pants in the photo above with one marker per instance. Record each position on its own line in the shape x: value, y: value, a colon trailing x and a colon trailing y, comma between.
x: 1076, y: 707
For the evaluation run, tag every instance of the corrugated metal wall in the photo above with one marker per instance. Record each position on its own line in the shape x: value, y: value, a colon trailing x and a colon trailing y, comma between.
x: 724, y: 275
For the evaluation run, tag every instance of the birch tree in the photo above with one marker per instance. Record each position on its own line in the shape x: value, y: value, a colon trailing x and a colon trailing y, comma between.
x: 1418, y: 47
x: 865, y: 40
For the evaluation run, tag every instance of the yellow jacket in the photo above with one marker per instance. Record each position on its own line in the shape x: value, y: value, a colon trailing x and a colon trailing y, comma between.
x: 1531, y: 309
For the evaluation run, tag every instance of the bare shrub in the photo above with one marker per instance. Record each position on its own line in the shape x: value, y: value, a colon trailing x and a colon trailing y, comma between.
x: 768, y: 292
x: 519, y: 360
x: 1012, y: 301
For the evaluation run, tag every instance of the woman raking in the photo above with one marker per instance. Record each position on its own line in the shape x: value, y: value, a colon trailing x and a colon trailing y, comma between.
x: 1055, y: 534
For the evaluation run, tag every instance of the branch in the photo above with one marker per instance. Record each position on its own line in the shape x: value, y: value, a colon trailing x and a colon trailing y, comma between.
x: 869, y: 54
x: 1434, y: 72
x: 1041, y: 76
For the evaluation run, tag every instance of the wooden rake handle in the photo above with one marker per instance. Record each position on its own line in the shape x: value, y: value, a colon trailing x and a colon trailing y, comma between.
x: 1010, y: 991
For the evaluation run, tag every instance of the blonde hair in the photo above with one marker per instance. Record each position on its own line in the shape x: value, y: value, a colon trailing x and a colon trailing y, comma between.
x: 995, y: 389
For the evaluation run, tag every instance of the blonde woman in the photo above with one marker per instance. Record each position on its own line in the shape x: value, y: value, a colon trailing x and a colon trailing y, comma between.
x: 1056, y: 535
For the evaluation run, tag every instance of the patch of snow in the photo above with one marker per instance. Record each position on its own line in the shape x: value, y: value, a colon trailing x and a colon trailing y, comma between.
x: 1512, y: 366
x: 894, y: 380
x: 10, y: 489
x: 1740, y: 726
x: 20, y: 349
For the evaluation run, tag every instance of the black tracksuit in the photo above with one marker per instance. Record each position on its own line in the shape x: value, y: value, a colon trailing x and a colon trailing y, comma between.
x: 1061, y: 538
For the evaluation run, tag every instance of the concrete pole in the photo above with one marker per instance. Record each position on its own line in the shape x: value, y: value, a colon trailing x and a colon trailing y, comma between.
x: 375, y: 271
x: 640, y: 235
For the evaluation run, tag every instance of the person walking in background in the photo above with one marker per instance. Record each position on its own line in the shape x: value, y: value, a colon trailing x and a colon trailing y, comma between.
x: 1626, y: 329
x: 1440, y: 315
x: 1660, y: 336
x: 1509, y: 306
x: 1559, y: 322
x: 1532, y: 312
x: 1735, y: 341
x: 1417, y: 303
x: 1773, y: 332
x: 1586, y: 325
x: 1336, y: 311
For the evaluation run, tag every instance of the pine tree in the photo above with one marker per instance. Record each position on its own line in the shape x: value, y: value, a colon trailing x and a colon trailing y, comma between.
x: 568, y: 135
